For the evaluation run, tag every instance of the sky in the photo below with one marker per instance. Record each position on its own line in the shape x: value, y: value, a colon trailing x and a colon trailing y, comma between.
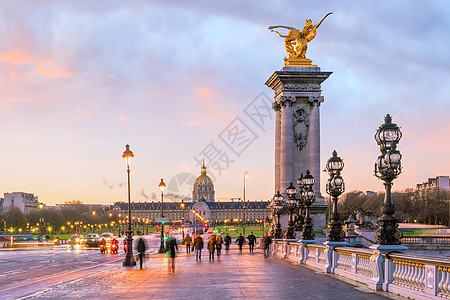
x: 81, y: 79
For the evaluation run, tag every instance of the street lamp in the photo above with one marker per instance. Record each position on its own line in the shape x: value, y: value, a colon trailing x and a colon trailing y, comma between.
x: 243, y: 219
x: 119, y: 215
x: 335, y: 187
x: 278, y: 209
x: 291, y: 205
x: 41, y: 220
x: 93, y: 221
x: 182, y: 204
x: 387, y: 168
x: 308, y: 196
x: 162, y: 186
x: 129, y: 260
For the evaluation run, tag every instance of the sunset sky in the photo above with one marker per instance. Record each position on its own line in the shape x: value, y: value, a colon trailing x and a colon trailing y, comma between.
x: 80, y: 79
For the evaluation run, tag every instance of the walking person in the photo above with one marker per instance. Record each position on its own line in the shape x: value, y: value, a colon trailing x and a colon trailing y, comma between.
x: 172, y: 245
x: 251, y: 241
x: 266, y: 244
x: 240, y: 241
x: 187, y: 242
x: 141, y: 250
x: 219, y: 243
x: 198, y: 245
x: 227, y: 242
x: 211, y: 246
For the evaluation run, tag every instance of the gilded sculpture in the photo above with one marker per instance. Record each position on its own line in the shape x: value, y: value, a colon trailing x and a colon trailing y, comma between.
x: 296, y: 41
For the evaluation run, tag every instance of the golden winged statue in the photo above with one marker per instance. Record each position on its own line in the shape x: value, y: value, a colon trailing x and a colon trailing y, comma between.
x: 296, y: 41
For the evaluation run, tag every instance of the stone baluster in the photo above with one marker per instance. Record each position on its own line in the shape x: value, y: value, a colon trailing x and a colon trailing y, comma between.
x: 442, y: 276
x: 447, y: 282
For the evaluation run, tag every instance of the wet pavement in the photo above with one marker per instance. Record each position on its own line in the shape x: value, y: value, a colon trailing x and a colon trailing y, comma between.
x: 234, y: 276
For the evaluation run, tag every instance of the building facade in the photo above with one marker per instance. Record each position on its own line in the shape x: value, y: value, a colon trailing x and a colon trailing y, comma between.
x: 440, y: 182
x: 203, y: 203
x: 24, y: 201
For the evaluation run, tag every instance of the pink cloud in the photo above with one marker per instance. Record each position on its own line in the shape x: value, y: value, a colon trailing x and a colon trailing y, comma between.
x: 123, y: 117
x: 16, y: 57
x: 47, y: 70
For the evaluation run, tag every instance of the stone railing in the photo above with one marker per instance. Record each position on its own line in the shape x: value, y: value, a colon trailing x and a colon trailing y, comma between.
x: 408, y: 275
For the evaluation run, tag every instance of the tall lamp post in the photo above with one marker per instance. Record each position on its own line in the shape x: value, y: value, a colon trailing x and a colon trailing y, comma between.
x: 335, y: 187
x: 129, y: 260
x: 291, y: 205
x: 244, y: 219
x: 162, y: 186
x: 278, y: 209
x: 308, y: 195
x: 41, y: 221
x: 182, y: 215
x: 387, y: 168
x: 120, y: 221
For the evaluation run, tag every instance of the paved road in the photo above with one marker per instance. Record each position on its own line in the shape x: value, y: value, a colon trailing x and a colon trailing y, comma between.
x: 25, y: 271
x: 234, y: 276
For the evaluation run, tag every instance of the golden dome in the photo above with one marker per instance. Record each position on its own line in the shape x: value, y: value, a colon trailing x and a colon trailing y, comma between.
x: 203, y: 179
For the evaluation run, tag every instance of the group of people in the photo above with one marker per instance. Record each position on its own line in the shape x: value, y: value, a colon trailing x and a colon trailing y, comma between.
x: 215, y: 244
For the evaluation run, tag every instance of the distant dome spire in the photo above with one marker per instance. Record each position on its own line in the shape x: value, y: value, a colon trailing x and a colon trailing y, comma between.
x: 203, y: 168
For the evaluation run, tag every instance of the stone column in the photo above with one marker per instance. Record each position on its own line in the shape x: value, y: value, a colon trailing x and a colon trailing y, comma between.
x: 277, y: 107
x: 286, y: 144
x: 314, y: 141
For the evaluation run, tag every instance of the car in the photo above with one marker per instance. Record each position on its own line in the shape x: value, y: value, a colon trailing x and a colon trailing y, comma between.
x: 76, y: 239
x: 106, y: 240
x: 92, y: 240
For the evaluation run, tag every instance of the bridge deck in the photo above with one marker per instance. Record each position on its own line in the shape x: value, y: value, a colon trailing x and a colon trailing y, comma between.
x: 235, y: 276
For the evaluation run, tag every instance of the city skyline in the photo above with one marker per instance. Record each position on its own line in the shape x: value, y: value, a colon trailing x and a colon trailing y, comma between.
x: 81, y: 80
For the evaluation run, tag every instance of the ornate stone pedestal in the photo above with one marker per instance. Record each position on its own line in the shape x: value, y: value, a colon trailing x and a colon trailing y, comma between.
x: 297, y: 131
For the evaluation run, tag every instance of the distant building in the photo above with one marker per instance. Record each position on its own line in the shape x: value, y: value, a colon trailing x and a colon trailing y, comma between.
x: 24, y: 201
x: 1, y: 204
x: 203, y: 202
x: 439, y: 182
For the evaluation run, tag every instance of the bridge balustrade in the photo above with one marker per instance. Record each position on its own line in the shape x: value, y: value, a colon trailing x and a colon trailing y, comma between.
x: 411, y: 276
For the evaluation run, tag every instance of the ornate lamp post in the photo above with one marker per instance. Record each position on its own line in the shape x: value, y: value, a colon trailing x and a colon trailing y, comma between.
x: 335, y: 187
x: 387, y: 168
x: 300, y: 216
x: 129, y: 260
x: 162, y: 186
x: 308, y: 199
x: 291, y: 205
x: 278, y: 209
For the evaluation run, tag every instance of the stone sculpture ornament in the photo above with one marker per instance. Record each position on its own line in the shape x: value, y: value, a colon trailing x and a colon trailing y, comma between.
x: 296, y: 41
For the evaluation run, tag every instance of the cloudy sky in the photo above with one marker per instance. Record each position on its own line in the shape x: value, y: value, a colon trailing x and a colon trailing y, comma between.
x: 80, y: 79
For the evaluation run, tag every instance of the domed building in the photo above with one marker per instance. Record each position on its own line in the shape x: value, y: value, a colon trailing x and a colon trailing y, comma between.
x: 203, y: 209
x: 203, y: 187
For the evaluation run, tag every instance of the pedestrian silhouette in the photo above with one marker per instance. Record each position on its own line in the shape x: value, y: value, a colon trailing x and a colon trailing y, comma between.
x: 187, y: 242
x: 198, y: 245
x: 211, y: 246
x: 240, y: 241
x: 227, y: 242
x: 172, y: 245
x: 251, y: 241
x: 219, y: 242
x: 141, y: 250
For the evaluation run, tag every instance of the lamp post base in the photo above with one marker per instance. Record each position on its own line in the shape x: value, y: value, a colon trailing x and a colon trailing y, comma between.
x: 129, y: 262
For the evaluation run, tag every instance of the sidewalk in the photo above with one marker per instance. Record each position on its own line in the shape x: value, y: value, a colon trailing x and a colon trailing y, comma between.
x: 234, y: 276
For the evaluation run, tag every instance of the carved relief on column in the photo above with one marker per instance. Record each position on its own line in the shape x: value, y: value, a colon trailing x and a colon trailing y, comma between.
x: 287, y: 100
x: 300, y: 127
x: 315, y: 100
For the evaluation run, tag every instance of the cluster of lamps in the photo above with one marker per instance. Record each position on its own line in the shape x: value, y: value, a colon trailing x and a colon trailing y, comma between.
x: 297, y: 205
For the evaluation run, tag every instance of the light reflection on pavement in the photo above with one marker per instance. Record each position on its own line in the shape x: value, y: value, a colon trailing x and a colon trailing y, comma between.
x: 24, y: 271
